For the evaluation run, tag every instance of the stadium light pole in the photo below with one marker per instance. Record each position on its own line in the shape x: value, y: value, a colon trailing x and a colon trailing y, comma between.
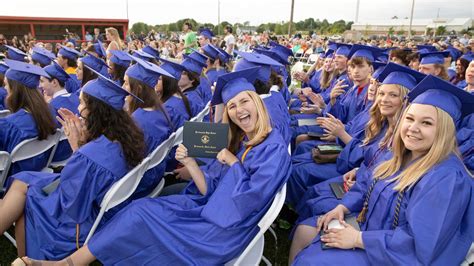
x: 291, y: 17
x: 357, y: 11
x: 411, y: 18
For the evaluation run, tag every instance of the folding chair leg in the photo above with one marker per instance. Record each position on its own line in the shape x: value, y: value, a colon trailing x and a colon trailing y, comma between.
x: 267, y: 262
x: 273, y: 233
x: 10, y: 238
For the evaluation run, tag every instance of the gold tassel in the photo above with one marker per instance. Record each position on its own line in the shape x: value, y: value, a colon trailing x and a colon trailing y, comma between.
x: 361, y: 217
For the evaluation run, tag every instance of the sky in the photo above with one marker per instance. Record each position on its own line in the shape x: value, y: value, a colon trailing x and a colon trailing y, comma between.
x: 233, y: 11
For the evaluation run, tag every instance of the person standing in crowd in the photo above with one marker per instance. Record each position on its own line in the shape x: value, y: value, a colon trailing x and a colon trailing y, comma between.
x: 116, y: 42
x: 97, y: 35
x: 229, y: 40
x: 190, y: 40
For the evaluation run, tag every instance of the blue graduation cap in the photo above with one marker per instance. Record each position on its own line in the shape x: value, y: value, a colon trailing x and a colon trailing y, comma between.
x: 444, y: 95
x: 280, y: 49
x: 151, y: 51
x: 328, y: 54
x: 56, y: 71
x: 143, y: 55
x: 397, y: 74
x: 426, y: 48
x: 192, y: 64
x: 332, y: 45
x: 343, y: 49
x: 3, y: 68
x: 95, y: 63
x: 99, y: 49
x: 43, y: 56
x: 107, y: 91
x: 120, y: 58
x: 469, y: 56
x: 196, y: 55
x: 15, y: 53
x: 262, y: 62
x: 210, y: 51
x: 368, y: 52
x: 231, y: 84
x: 453, y: 52
x: 223, y: 56
x: 68, y: 52
x: 146, y: 72
x: 272, y: 55
x: 433, y: 58
x: 378, y: 68
x: 26, y: 74
x: 173, y: 68
x: 206, y: 33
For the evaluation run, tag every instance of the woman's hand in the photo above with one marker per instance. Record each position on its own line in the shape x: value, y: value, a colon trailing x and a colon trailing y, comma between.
x: 345, y: 238
x: 181, y: 155
x: 338, y: 89
x: 74, y: 127
x: 332, y: 125
x: 336, y: 214
x: 350, y: 177
x: 226, y: 157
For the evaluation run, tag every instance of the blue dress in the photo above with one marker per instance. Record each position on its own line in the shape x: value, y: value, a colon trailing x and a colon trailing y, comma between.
x: 156, y: 129
x: 14, y: 129
x: 50, y: 220
x: 195, y: 229
x: 436, y: 222
x: 3, y: 96
x: 69, y: 101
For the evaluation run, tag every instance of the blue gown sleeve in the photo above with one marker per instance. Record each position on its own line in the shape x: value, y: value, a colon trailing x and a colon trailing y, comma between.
x: 351, y: 156
x: 256, y: 184
x: 354, y: 198
x: 434, y: 215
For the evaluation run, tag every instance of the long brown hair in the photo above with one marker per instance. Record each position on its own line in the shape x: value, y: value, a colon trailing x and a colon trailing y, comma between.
x: 170, y: 87
x: 147, y: 94
x: 31, y: 100
x: 116, y: 125
x: 262, y: 127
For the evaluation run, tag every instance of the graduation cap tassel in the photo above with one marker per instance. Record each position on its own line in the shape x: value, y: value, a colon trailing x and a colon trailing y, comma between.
x: 362, y: 215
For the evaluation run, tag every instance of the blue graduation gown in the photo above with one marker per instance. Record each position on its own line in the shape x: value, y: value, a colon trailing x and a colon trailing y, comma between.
x: 436, y: 222
x: 177, y: 111
x: 72, y: 84
x: 195, y: 101
x: 204, y: 90
x: 307, y: 173
x: 195, y: 229
x: 14, y: 129
x: 50, y: 220
x: 3, y: 95
x: 278, y: 112
x: 69, y: 101
x: 156, y: 129
x: 348, y: 105
x: 465, y: 138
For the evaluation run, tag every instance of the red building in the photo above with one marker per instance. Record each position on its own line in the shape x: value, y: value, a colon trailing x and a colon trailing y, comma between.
x: 54, y: 29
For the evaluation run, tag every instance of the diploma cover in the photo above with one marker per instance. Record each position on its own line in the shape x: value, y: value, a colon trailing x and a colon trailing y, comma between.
x: 205, y: 140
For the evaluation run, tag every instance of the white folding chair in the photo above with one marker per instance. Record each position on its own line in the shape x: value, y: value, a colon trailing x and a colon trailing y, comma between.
x: 28, y: 149
x: 60, y: 163
x: 253, y: 253
x: 4, y: 113
x: 156, y: 157
x: 469, y: 257
x: 121, y: 190
x: 179, y: 137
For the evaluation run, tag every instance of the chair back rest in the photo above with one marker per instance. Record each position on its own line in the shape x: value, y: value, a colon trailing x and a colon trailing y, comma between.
x: 4, y: 113
x: 5, y: 162
x: 179, y: 136
x: 33, y: 147
x: 160, y: 153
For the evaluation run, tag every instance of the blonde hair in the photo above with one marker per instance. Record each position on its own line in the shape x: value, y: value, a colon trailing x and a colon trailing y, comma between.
x: 262, y: 127
x: 377, y: 120
x: 115, y: 36
x: 326, y: 78
x: 443, y: 74
x: 445, y: 143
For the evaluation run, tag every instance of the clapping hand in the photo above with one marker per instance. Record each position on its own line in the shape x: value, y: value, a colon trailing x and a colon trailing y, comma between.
x: 73, y: 126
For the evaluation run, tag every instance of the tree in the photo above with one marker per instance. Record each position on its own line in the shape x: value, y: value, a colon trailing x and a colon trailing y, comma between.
x: 429, y: 31
x: 391, y: 31
x: 441, y: 30
x: 139, y: 27
x: 401, y: 31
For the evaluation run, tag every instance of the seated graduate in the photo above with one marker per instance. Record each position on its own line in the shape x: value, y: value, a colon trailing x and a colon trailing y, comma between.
x: 149, y: 114
x: 3, y: 91
x: 418, y: 206
x: 216, y: 217
x: 67, y: 59
x: 118, y: 63
x: 267, y: 85
x: 51, y: 224
x: 41, y: 57
x: 190, y: 83
x: 53, y: 89
x: 30, y: 116
x: 432, y: 63
x: 214, y: 65
x: 470, y: 75
x: 16, y: 54
x: 203, y: 87
x: 369, y: 146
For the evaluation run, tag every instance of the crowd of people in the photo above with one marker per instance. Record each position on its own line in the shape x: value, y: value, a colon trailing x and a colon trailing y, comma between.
x: 377, y: 132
